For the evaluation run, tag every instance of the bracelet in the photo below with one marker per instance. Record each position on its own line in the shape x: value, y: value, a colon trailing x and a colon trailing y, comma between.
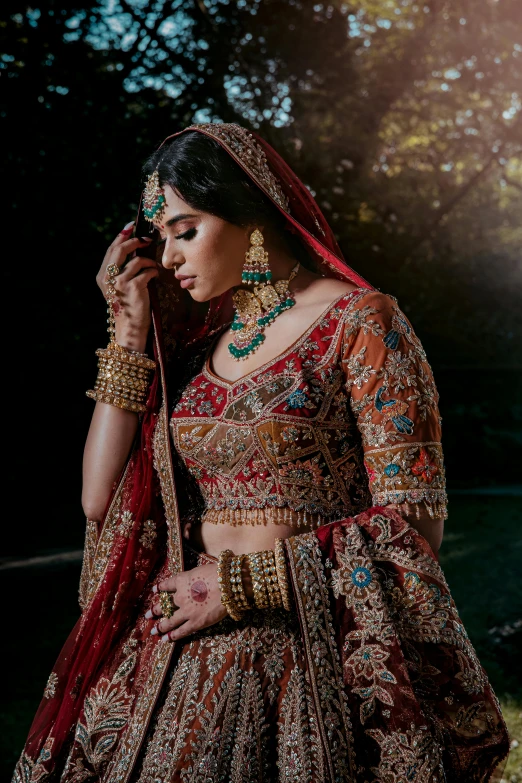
x: 272, y: 585
x: 238, y: 590
x: 123, y: 378
x: 224, y: 580
x: 259, y: 586
x: 282, y: 573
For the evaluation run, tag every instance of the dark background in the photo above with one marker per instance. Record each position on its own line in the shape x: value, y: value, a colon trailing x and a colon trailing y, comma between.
x: 403, y: 118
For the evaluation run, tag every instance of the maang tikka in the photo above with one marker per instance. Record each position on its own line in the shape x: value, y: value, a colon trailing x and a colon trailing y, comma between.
x: 154, y: 202
x: 256, y: 309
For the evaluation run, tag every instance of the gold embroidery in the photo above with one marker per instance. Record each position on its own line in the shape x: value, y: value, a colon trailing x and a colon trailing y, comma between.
x: 258, y: 458
x: 407, y: 753
x: 106, y: 711
x: 242, y: 146
x: 300, y: 755
x: 149, y: 534
x: 412, y: 473
x: 50, y: 688
x: 89, y: 552
x: 221, y: 712
x: 323, y: 661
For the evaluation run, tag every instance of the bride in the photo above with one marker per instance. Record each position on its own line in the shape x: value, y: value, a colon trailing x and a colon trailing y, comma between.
x: 265, y: 499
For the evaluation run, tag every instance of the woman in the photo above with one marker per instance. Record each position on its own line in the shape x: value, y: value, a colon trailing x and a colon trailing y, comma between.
x: 261, y: 593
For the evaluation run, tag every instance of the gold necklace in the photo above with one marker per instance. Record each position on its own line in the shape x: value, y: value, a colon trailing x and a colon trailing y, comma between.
x: 257, y: 309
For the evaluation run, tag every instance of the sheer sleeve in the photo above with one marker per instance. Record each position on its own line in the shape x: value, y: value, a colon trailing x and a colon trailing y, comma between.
x: 395, y: 403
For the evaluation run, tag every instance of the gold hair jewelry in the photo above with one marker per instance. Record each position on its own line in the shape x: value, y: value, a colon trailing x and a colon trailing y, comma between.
x: 257, y: 309
x: 282, y: 573
x: 167, y: 604
x: 153, y: 198
x: 123, y: 375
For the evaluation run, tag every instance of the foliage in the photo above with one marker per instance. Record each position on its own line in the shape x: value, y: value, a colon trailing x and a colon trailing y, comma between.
x: 403, y: 117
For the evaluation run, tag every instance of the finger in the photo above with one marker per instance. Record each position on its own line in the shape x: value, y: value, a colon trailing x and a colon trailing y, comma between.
x: 178, y: 633
x: 167, y: 624
x: 124, y: 234
x: 155, y: 611
x: 119, y: 251
x: 133, y: 268
x: 167, y: 584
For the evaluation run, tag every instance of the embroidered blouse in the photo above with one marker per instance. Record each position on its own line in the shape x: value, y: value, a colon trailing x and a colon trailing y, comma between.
x: 345, y: 417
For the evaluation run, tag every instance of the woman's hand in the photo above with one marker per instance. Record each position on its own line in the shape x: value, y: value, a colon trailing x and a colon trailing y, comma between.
x: 197, y: 603
x: 132, y: 307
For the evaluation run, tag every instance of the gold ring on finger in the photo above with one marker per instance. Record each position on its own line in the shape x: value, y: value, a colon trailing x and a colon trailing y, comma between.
x: 167, y: 604
x: 113, y: 270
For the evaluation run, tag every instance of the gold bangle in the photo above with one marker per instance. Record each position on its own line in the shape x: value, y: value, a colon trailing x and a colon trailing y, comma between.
x: 259, y: 587
x: 223, y: 576
x: 117, y: 402
x: 270, y: 577
x: 123, y: 378
x: 282, y: 573
x: 236, y: 578
x: 117, y: 353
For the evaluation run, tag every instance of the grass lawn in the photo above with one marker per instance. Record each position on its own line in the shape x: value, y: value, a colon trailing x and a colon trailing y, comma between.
x: 481, y: 557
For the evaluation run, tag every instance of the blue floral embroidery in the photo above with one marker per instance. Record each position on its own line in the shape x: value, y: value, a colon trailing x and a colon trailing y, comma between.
x: 297, y: 399
x: 392, y: 469
x: 393, y: 410
x: 361, y: 577
x: 391, y: 339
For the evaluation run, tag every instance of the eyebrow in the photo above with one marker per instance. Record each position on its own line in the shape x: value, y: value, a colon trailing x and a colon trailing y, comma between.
x: 177, y: 219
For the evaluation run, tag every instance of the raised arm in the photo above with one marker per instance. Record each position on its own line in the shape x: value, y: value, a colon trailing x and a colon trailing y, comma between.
x: 112, y: 429
x: 395, y: 403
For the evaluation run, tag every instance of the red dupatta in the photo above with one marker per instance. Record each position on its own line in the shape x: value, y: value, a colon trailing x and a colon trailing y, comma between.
x: 141, y: 535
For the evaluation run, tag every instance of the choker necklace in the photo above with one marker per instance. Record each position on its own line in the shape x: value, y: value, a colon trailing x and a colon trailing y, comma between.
x: 257, y: 309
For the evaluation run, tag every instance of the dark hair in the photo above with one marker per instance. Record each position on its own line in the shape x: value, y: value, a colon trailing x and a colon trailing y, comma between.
x: 209, y: 180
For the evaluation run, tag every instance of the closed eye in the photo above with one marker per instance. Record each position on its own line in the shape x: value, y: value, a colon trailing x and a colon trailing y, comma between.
x: 190, y: 234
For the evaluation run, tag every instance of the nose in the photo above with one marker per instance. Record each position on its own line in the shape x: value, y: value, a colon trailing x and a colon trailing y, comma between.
x: 171, y: 257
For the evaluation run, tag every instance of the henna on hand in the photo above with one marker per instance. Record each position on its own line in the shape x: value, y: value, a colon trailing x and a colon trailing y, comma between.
x: 199, y: 591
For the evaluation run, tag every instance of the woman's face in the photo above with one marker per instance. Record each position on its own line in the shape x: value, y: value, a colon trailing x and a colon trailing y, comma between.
x: 205, y: 252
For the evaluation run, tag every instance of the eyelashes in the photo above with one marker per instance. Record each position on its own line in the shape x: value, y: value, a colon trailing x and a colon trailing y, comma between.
x: 190, y: 234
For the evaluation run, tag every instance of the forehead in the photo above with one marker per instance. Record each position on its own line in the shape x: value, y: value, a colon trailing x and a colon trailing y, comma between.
x: 174, y: 206
x: 174, y: 201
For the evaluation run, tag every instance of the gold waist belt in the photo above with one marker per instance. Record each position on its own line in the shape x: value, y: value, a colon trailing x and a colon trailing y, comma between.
x: 270, y: 515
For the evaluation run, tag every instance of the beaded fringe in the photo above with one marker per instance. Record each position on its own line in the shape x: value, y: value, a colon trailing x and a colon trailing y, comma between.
x: 269, y: 515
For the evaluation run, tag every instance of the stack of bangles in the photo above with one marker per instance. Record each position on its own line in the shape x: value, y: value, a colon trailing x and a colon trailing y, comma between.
x: 123, y: 378
x: 269, y: 580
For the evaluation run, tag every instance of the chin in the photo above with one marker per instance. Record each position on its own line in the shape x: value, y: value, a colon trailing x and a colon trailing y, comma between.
x: 204, y: 295
x: 199, y: 296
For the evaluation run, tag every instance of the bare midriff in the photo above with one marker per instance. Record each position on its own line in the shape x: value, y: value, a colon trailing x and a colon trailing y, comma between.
x: 253, y: 533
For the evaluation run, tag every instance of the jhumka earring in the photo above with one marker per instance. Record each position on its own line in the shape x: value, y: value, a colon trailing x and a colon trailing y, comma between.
x: 153, y: 198
x: 257, y: 309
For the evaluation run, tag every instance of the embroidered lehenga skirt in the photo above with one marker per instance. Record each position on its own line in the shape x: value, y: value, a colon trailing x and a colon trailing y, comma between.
x: 236, y: 706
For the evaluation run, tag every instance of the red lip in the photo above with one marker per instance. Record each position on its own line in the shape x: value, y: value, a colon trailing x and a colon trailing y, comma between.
x: 184, y: 277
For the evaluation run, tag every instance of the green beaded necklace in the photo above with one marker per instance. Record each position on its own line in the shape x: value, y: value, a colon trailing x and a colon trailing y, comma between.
x: 255, y: 310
